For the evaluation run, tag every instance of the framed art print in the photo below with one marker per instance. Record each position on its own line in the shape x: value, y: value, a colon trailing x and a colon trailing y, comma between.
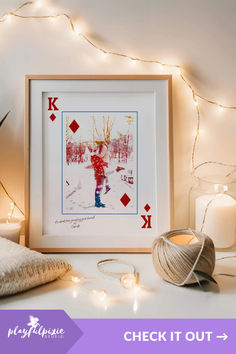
x: 98, y: 162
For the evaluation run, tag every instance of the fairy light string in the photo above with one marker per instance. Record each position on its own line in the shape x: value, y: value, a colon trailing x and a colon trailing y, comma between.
x: 12, y: 201
x: 100, y: 294
x: 179, y: 70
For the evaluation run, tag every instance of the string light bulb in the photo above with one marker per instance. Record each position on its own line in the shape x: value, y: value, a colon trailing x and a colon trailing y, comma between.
x: 133, y: 61
x: 161, y: 66
x: 74, y: 294
x: 101, y: 295
x: 76, y: 279
x: 10, y: 213
x: 178, y: 71
x: 135, y: 306
x: 38, y: 3
x: 220, y: 188
x: 8, y: 17
x: 103, y: 55
x: 76, y: 30
x: 129, y: 280
x: 220, y: 108
x: 195, y: 102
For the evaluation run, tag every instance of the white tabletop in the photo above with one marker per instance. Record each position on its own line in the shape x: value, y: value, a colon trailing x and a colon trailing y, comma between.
x: 156, y: 298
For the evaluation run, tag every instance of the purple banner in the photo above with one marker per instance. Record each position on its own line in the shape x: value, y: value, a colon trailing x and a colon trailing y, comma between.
x: 53, y: 331
x: 165, y: 336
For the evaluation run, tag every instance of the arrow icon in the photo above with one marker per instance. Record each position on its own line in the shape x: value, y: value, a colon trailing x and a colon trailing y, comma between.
x: 224, y: 336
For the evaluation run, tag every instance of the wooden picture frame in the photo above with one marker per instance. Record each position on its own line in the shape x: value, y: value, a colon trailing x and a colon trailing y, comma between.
x: 136, y: 106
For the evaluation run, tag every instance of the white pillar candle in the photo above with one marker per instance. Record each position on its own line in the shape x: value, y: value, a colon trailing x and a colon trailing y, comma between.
x: 220, y: 221
x: 10, y: 229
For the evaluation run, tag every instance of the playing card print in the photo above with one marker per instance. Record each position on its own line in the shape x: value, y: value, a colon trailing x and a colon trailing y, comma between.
x: 52, y: 107
x: 99, y: 158
x: 147, y: 218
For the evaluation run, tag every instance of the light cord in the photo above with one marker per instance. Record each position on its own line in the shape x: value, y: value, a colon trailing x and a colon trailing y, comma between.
x: 180, y: 70
x: 145, y: 60
x: 113, y: 260
x: 226, y: 274
x: 8, y: 195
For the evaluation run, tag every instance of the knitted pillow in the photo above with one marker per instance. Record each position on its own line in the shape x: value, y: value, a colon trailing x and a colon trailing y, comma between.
x: 22, y: 269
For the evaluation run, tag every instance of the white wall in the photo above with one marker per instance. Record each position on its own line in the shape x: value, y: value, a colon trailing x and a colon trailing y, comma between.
x: 197, y: 34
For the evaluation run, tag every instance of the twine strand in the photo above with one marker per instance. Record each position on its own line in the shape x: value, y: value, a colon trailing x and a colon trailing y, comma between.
x: 176, y: 263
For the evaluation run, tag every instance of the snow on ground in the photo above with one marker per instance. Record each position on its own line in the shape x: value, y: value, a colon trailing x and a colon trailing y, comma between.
x: 79, y: 191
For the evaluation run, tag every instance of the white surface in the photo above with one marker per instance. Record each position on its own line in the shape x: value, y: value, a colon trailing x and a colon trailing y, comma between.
x: 160, y: 300
x: 220, y: 222
x: 150, y: 99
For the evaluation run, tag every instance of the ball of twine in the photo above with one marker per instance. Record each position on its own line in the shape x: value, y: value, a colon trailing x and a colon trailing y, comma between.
x: 176, y: 263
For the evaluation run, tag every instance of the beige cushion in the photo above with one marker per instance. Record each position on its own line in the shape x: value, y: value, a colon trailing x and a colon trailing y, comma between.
x: 22, y: 269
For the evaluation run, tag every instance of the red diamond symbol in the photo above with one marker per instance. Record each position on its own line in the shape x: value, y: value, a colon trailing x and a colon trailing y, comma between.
x: 125, y: 199
x: 147, y: 207
x: 74, y: 126
x: 52, y: 117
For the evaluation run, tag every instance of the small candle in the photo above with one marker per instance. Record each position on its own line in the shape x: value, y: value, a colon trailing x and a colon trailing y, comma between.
x: 184, y: 239
x: 220, y: 221
x: 10, y: 229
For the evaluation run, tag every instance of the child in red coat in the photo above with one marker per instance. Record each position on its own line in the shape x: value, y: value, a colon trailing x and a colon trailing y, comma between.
x: 99, y: 164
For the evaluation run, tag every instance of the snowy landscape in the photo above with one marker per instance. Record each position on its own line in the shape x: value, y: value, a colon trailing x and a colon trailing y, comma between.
x: 119, y: 159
